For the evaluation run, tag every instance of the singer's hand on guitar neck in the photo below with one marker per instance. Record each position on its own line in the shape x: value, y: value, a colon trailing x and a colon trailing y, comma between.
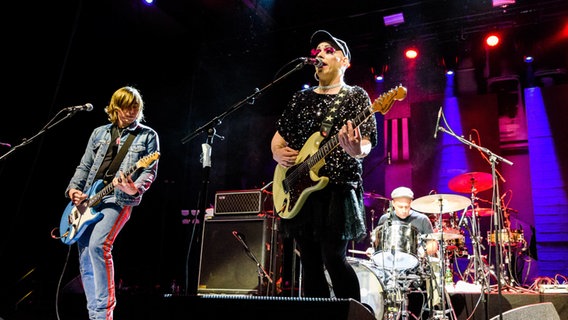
x: 351, y: 141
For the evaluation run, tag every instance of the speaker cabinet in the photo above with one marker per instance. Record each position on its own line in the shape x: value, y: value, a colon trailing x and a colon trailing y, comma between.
x: 234, y: 253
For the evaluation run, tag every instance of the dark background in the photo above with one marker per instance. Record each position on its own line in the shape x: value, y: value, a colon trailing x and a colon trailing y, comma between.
x: 194, y: 61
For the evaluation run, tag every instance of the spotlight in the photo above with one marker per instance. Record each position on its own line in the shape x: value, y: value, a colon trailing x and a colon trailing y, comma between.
x: 411, y: 53
x: 528, y: 59
x: 492, y: 40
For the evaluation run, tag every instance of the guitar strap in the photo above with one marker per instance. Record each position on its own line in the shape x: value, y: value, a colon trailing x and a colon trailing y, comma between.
x: 327, y: 122
x: 115, y: 164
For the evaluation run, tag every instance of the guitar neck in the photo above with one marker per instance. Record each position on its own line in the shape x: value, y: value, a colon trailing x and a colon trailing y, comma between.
x: 108, y: 188
x: 333, y: 142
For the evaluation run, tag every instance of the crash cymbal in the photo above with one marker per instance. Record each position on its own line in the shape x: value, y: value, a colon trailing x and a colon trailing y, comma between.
x: 373, y: 199
x: 471, y: 181
x: 481, y: 212
x: 440, y: 203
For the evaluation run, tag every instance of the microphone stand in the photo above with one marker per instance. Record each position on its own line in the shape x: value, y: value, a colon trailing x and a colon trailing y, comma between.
x: 209, y: 128
x: 52, y: 123
x: 493, y: 159
x: 261, y: 272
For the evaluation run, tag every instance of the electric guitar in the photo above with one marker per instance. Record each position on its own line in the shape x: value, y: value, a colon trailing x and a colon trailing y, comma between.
x: 293, y: 185
x: 77, y: 218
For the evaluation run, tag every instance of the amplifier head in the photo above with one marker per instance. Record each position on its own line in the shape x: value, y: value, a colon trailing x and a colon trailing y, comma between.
x: 253, y: 201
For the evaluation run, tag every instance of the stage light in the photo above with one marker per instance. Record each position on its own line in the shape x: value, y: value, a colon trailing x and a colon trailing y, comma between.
x: 492, y: 40
x: 411, y: 53
x: 502, y: 3
x: 379, y: 78
x: 528, y: 59
x: 393, y: 19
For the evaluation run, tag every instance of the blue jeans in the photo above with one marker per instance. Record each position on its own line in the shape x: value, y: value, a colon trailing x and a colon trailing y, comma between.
x: 95, y: 259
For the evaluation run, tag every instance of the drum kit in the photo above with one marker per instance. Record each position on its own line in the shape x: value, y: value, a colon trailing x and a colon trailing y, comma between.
x: 399, y: 264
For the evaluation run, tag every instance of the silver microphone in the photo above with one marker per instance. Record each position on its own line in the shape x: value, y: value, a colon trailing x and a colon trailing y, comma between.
x: 438, y: 123
x: 85, y: 107
x: 317, y: 62
x: 388, y: 157
x: 470, y: 141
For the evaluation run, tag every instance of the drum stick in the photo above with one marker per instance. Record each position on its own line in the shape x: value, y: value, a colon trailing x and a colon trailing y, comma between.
x: 357, y: 251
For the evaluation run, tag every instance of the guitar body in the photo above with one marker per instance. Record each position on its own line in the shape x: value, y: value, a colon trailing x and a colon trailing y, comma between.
x: 76, y: 219
x: 293, y: 185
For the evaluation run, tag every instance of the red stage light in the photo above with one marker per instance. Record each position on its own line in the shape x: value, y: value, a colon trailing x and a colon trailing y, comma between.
x: 492, y: 40
x: 411, y: 53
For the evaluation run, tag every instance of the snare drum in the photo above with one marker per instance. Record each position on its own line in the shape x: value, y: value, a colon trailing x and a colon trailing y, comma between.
x: 456, y: 246
x: 506, y: 236
x: 372, y: 293
x: 396, y: 246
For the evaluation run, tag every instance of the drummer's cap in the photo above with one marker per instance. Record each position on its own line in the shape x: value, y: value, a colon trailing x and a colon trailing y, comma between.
x: 402, y: 192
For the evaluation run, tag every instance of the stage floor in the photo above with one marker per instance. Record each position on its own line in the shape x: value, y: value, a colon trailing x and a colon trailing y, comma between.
x: 154, y: 306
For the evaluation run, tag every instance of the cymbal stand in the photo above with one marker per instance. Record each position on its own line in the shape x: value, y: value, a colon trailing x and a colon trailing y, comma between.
x: 480, y: 267
x: 441, y: 314
x: 493, y: 159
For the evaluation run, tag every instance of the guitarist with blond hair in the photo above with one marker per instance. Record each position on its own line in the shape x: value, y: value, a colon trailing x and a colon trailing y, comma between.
x: 97, y: 219
x: 329, y: 214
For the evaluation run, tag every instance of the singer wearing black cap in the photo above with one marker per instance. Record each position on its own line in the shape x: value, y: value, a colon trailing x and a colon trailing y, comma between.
x: 333, y: 215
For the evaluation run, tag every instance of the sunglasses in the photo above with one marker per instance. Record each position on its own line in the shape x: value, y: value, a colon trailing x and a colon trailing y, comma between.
x: 327, y: 50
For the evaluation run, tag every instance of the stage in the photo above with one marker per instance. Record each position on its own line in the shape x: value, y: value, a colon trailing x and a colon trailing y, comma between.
x: 213, y: 306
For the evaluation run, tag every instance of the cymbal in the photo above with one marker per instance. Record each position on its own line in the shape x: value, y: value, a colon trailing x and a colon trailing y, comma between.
x: 438, y: 236
x: 481, y: 212
x: 371, y: 199
x: 471, y: 181
x: 440, y: 203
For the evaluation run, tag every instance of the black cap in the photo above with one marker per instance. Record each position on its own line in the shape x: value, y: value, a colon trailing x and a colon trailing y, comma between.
x: 322, y: 35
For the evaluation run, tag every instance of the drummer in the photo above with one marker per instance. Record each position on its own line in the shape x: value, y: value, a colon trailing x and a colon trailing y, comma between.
x: 401, y: 200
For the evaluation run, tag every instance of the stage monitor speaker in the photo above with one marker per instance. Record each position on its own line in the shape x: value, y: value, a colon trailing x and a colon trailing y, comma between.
x: 545, y: 310
x: 214, y: 307
x: 230, y: 266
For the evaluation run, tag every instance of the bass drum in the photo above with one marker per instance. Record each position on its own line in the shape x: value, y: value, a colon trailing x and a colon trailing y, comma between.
x: 372, y: 294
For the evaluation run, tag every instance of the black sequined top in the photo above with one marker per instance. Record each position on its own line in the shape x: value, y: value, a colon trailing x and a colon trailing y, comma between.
x: 336, y: 211
x: 304, y: 115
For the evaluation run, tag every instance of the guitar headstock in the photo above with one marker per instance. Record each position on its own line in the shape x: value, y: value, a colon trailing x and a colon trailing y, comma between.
x: 147, y: 160
x: 384, y: 102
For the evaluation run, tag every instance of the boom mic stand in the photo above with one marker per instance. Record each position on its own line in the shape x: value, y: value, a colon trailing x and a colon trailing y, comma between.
x: 209, y: 128
x: 49, y: 125
x: 262, y: 274
x: 493, y: 159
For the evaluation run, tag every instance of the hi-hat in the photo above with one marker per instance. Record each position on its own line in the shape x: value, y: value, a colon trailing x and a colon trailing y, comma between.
x: 440, y: 203
x: 480, y: 212
x: 471, y: 182
x: 371, y: 199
